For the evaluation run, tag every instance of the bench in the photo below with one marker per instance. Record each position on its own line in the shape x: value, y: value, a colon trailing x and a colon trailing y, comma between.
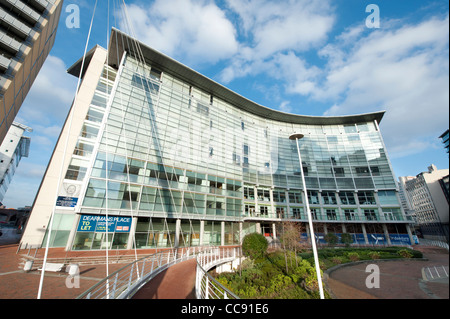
x: 53, y: 267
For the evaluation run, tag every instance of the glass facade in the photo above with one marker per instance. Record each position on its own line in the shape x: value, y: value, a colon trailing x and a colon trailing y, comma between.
x: 193, y: 169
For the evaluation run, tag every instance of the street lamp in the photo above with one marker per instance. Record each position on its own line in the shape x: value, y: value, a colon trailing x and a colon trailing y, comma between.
x: 296, y: 137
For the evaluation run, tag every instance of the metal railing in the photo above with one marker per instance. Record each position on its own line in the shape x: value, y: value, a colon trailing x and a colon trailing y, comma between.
x: 125, y: 282
x: 206, y: 287
x: 436, y: 243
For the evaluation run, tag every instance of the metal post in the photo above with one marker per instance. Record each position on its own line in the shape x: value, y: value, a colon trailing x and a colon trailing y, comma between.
x: 296, y: 137
x: 115, y: 286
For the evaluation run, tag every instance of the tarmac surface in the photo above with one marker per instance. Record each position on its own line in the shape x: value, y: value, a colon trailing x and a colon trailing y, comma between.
x: 400, y: 279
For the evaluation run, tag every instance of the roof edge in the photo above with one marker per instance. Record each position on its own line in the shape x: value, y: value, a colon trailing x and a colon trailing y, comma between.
x: 121, y: 42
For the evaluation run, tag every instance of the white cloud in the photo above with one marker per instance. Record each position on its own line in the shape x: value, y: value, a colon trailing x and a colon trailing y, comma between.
x: 195, y: 30
x: 404, y: 71
x: 272, y: 31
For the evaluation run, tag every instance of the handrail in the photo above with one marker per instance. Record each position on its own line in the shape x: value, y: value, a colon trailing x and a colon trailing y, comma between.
x: 206, y: 286
x: 436, y: 243
x: 123, y: 283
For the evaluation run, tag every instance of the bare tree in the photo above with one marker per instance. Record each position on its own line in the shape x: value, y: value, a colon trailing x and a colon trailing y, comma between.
x: 291, y: 239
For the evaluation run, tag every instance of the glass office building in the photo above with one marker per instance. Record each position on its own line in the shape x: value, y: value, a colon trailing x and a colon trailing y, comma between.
x: 159, y: 156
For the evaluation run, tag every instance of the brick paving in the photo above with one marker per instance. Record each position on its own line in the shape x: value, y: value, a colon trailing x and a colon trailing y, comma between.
x: 176, y: 282
x: 400, y: 279
x: 17, y: 284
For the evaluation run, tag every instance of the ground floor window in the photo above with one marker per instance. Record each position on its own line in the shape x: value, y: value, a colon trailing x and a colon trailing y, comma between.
x: 212, y: 233
x: 62, y: 225
x: 155, y: 232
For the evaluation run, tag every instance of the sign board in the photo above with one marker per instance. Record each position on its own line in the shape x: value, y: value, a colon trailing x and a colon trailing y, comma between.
x: 64, y: 201
x: 400, y: 239
x: 98, y: 223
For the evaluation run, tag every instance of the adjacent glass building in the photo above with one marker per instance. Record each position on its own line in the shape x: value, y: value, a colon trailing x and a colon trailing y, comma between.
x: 157, y: 155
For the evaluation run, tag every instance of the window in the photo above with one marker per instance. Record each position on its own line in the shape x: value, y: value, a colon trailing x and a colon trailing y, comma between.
x: 279, y: 196
x: 99, y: 100
x: 313, y: 197
x: 249, y: 193
x: 375, y: 170
x: 347, y: 198
x: 264, y: 195
x: 388, y: 197
x: 350, y: 214
x: 83, y: 149
x: 94, y: 116
x: 77, y: 169
x: 366, y: 198
x: 315, y: 213
x: 338, y: 171
x: 331, y: 214
x: 144, y: 84
x: 362, y: 171
x: 370, y: 214
x: 249, y: 210
x: 295, y: 197
x: 350, y: 128
x: 280, y: 212
x: 296, y: 212
x: 264, y: 211
x: 202, y: 108
x: 89, y: 132
x: 329, y: 198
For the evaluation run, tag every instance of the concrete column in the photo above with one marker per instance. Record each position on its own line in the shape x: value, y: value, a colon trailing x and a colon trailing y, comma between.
x: 274, y: 231
x: 222, y: 233
x: 202, y: 230
x: 344, y: 229
x: 132, y: 233
x: 177, y: 232
x: 272, y: 205
x: 241, y: 235
x: 363, y: 227
x: 308, y: 234
x: 408, y: 229
x: 386, y: 234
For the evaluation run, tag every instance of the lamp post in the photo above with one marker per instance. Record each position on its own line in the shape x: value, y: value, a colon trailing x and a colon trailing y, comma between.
x: 296, y: 137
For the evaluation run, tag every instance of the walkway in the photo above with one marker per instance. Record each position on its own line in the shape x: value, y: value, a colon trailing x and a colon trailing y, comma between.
x: 176, y: 282
x: 400, y: 279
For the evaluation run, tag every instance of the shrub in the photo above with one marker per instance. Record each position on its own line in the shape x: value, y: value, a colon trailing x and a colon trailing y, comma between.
x: 374, y: 255
x: 336, y: 260
x: 405, y: 253
x: 254, y: 245
x: 353, y: 256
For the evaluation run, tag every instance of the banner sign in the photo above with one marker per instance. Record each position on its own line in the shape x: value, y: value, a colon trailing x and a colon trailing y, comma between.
x: 400, y: 239
x: 97, y: 223
x: 64, y: 201
x: 358, y: 238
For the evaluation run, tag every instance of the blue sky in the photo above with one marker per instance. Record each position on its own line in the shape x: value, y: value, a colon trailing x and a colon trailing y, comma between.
x: 298, y: 56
